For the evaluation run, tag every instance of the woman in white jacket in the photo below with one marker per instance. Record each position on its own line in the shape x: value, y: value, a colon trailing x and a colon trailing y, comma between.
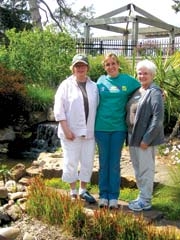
x: 75, y: 106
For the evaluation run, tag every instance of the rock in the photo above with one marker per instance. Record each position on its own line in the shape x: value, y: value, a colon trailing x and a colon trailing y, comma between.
x: 4, y: 218
x: 50, y: 115
x: 11, y: 186
x: 28, y: 236
x: 3, y: 192
x: 7, y: 134
x: 128, y: 181
x: 25, y: 181
x: 48, y: 165
x: 14, y: 211
x: 22, y: 203
x: 15, y: 195
x: 10, y: 232
x: 18, y: 171
x: 34, y: 171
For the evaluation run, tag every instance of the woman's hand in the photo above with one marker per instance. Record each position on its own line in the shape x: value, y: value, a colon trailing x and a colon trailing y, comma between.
x: 143, y: 145
x: 67, y: 132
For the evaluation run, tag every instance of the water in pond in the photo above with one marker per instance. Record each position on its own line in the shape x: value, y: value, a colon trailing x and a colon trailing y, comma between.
x: 46, y: 141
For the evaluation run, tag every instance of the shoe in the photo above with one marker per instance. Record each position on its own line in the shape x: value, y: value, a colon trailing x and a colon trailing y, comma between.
x: 87, y: 197
x: 73, y: 197
x: 139, y: 205
x: 103, y: 203
x: 113, y: 204
x: 135, y: 200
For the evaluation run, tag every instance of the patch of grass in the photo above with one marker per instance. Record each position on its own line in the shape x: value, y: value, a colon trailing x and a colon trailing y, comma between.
x: 58, y: 183
x: 128, y: 194
x: 166, y: 199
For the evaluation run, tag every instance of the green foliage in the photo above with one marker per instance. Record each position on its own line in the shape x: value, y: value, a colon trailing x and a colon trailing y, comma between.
x: 54, y: 207
x: 14, y: 18
x: 166, y: 199
x: 76, y: 219
x: 43, y: 56
x: 57, y: 183
x: 96, y: 67
x: 39, y: 97
x: 50, y: 206
x: 168, y: 78
x: 4, y: 172
x: 128, y: 194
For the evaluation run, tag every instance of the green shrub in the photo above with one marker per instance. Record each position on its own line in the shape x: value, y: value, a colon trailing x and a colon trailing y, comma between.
x: 43, y: 56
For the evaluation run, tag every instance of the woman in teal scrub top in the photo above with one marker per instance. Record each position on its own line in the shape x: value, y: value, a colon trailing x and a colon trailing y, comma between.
x: 115, y: 89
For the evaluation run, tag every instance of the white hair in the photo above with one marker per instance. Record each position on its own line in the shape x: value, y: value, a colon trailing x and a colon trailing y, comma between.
x: 147, y: 64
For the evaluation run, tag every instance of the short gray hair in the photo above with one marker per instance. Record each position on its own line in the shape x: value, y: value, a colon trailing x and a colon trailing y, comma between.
x: 147, y: 64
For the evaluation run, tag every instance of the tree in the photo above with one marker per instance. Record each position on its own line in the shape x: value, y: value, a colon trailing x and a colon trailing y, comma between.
x: 25, y: 14
x: 176, y: 6
x: 73, y: 21
x: 14, y: 14
x: 35, y: 14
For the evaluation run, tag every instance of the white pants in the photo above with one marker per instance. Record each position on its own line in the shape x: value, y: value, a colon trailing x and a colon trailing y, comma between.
x: 144, y: 168
x: 78, y: 159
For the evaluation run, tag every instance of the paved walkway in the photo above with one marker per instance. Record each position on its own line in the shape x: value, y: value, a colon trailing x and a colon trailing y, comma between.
x: 162, y: 168
x: 127, y: 173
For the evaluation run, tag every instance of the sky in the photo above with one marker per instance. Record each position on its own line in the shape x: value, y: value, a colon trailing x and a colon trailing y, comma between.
x: 159, y: 8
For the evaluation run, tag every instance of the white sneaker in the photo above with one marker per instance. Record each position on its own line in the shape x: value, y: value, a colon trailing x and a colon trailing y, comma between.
x: 135, y: 200
x: 113, y: 204
x: 139, y: 205
x: 103, y: 203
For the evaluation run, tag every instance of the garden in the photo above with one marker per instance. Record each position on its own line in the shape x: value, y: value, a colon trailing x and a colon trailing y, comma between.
x: 31, y: 67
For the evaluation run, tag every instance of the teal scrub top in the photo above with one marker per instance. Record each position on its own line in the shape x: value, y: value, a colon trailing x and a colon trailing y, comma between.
x: 113, y: 96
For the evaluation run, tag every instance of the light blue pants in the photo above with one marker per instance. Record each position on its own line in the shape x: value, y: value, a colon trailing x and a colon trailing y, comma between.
x: 143, y: 162
x: 109, y: 145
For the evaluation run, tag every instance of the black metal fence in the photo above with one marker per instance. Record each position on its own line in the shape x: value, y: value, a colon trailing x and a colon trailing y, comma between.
x: 95, y: 46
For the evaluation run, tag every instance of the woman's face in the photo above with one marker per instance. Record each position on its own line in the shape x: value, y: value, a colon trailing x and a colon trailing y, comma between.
x: 111, y: 67
x: 80, y: 70
x: 145, y: 77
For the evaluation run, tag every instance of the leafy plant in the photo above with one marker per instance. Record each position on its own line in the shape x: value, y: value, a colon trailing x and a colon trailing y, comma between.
x: 4, y: 172
x: 43, y: 56
x: 167, y: 77
x: 55, y: 207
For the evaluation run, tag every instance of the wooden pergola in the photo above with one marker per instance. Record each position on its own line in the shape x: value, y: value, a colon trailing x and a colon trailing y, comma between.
x: 135, y: 17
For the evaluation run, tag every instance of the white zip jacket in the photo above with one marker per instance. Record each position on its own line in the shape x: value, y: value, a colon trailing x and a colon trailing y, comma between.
x: 69, y: 106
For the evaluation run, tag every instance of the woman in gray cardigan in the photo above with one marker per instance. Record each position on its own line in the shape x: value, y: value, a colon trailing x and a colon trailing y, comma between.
x: 145, y: 116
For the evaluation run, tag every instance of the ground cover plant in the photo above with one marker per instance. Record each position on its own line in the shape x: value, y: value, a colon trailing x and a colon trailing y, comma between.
x: 55, y: 207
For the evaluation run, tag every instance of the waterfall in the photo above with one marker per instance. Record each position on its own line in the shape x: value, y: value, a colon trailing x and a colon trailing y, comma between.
x: 46, y: 138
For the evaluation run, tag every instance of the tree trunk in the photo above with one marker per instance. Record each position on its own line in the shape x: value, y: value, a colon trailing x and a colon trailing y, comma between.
x: 175, y: 129
x: 35, y: 14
